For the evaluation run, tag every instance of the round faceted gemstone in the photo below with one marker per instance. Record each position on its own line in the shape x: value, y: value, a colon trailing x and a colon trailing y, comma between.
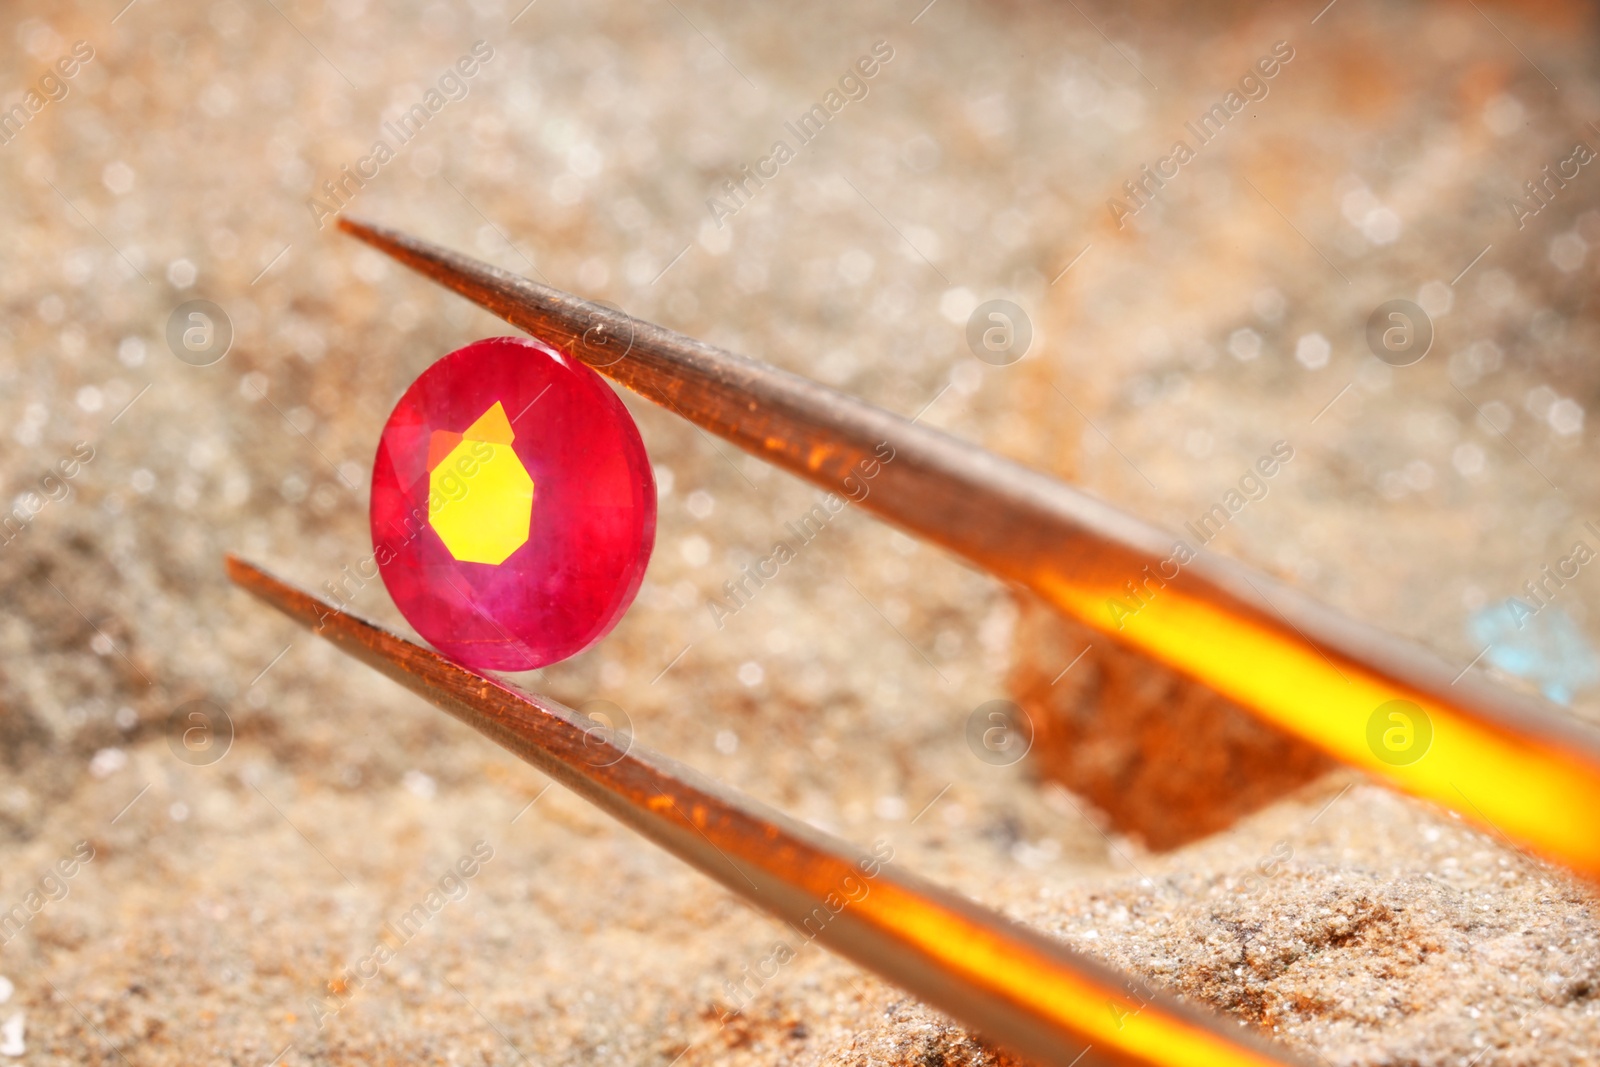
x: 513, y: 509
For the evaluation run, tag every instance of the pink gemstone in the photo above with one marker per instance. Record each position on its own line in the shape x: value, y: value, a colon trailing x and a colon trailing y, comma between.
x: 513, y: 508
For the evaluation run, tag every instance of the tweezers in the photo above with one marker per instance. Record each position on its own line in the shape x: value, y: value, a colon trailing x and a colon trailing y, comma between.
x: 1505, y: 762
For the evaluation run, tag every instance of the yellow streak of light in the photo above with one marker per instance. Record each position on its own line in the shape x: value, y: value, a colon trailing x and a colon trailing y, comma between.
x: 1530, y: 791
x: 1109, y: 1019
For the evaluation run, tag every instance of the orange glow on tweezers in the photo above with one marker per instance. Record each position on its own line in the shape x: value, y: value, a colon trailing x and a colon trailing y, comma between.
x: 1011, y: 984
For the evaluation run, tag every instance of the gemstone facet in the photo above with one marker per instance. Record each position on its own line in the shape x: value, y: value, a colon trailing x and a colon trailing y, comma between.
x: 513, y: 506
x: 488, y: 525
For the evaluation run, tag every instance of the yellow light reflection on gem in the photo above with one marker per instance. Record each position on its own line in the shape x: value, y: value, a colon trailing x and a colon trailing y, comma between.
x: 480, y: 494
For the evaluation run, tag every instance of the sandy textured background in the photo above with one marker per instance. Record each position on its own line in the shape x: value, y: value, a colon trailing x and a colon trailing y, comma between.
x: 222, y: 899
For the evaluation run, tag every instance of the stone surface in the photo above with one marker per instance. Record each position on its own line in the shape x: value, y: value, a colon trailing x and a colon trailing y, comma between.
x: 511, y: 541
